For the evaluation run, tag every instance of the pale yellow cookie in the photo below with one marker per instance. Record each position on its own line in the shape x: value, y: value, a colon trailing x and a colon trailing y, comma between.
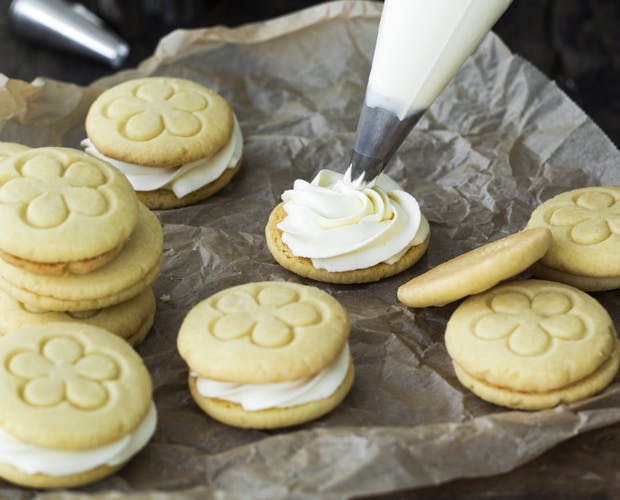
x: 134, y: 268
x: 159, y: 122
x: 260, y: 337
x: 303, y: 266
x: 59, y: 206
x: 10, y: 149
x: 477, y: 270
x: 130, y: 320
x: 585, y: 224
x: 71, y: 394
x: 537, y: 342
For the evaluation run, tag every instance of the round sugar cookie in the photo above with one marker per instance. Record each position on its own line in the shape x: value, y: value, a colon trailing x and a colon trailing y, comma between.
x: 303, y: 266
x: 159, y: 122
x: 531, y: 337
x: 134, y: 268
x: 68, y: 387
x: 585, y: 224
x: 131, y: 320
x: 477, y: 270
x: 60, y: 206
x: 263, y: 334
x: 10, y: 148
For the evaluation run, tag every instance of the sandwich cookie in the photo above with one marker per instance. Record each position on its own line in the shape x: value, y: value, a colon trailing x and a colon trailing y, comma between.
x: 131, y: 320
x: 477, y: 270
x: 131, y: 271
x: 341, y: 231
x: 177, y: 142
x: 532, y: 345
x: 585, y: 224
x: 76, y: 405
x: 62, y: 211
x: 267, y: 355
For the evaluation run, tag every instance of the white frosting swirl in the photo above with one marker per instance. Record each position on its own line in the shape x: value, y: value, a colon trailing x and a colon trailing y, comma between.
x: 343, y: 225
x: 183, y: 179
x: 32, y: 459
x: 255, y: 397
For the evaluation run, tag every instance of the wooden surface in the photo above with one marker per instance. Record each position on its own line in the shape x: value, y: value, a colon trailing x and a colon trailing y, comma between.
x: 575, y: 42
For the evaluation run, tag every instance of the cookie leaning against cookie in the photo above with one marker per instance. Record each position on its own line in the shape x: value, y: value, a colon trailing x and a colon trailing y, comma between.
x: 585, y: 224
x: 532, y: 345
x: 267, y: 355
x: 477, y: 270
x: 62, y: 210
x: 131, y: 320
x: 177, y: 142
x: 76, y: 405
x: 339, y: 231
x: 131, y: 271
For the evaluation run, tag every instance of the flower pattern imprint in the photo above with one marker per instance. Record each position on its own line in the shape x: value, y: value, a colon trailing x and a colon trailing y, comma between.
x: 593, y: 217
x: 529, y: 326
x: 155, y: 107
x: 269, y: 319
x: 51, y: 190
x: 61, y: 372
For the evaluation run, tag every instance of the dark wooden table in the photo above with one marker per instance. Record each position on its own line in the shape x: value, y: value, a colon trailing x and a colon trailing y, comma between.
x: 575, y: 42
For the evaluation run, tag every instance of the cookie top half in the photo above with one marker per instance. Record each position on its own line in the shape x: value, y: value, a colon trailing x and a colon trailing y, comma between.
x: 530, y: 336
x: 263, y: 332
x: 60, y: 204
x: 585, y: 224
x: 70, y: 386
x: 159, y: 121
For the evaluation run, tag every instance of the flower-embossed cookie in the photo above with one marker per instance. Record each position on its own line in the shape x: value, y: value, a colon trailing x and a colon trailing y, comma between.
x: 133, y: 269
x: 62, y: 210
x: 130, y: 320
x: 585, y: 224
x: 532, y: 344
x: 177, y: 141
x: 268, y: 354
x: 76, y: 405
x: 477, y: 270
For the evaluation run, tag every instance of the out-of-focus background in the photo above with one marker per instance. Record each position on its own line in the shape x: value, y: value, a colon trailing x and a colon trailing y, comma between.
x: 574, y: 42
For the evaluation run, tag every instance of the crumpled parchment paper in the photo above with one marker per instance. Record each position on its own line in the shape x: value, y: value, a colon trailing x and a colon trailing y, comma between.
x: 498, y: 141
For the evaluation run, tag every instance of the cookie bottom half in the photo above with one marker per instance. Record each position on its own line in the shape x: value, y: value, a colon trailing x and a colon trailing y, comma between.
x: 303, y: 266
x: 520, y: 400
x: 39, y: 480
x: 585, y: 283
x: 164, y: 199
x: 233, y: 414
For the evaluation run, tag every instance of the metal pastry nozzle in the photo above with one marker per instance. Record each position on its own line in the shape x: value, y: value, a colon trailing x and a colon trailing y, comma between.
x: 62, y: 25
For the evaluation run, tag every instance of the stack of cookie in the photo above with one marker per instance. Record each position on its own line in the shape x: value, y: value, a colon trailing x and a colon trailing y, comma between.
x: 75, y: 244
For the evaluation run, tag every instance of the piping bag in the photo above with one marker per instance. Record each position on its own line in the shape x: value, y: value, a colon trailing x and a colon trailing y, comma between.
x: 420, y: 46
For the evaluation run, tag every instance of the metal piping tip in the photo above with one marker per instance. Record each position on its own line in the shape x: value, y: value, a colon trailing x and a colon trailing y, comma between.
x: 379, y: 134
x: 59, y: 24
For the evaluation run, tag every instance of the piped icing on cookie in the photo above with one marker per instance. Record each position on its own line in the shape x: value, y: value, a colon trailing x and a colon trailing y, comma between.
x: 255, y: 397
x: 342, y: 225
x: 183, y: 179
x: 32, y: 459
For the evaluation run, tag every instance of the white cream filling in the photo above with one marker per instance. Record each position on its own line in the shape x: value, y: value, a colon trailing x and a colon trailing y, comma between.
x: 32, y: 459
x: 255, y: 397
x: 183, y: 179
x: 342, y: 225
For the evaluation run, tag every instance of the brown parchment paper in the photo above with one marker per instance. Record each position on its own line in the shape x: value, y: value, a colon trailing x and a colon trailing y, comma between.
x: 498, y: 141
